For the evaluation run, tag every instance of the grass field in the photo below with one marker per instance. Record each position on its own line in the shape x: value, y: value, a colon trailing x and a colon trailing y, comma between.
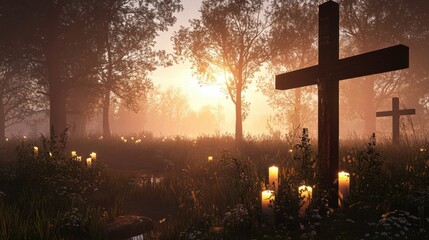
x: 171, y: 181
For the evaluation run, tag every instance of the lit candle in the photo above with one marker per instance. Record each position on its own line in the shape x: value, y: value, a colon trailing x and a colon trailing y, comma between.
x: 88, y: 162
x: 267, y: 197
x: 273, y: 177
x: 50, y: 154
x: 73, y: 154
x: 210, y: 158
x: 343, y: 188
x: 93, y: 156
x: 36, y: 151
x: 305, y: 193
x: 79, y: 158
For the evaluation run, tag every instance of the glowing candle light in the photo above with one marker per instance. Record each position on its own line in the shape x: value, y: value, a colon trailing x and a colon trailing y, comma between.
x: 93, y: 156
x: 50, y: 154
x: 210, y: 158
x: 88, y: 162
x: 305, y: 193
x: 343, y: 188
x: 79, y: 158
x: 36, y: 151
x: 73, y: 154
x: 122, y: 138
x: 125, y: 140
x: 7, y: 139
x: 273, y: 177
x: 267, y: 197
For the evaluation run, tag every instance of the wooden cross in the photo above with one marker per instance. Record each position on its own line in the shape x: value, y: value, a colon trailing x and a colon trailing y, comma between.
x: 327, y: 75
x: 395, y: 113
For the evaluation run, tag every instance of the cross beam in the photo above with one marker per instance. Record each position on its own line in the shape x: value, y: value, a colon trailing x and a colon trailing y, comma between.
x: 384, y: 60
x: 327, y: 75
x: 395, y: 114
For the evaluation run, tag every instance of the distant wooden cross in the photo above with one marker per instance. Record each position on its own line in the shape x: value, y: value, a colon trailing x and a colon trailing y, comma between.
x: 395, y: 114
x: 327, y: 75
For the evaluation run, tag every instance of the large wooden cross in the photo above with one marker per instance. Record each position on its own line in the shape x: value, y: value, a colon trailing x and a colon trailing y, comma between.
x: 327, y: 75
x: 395, y: 114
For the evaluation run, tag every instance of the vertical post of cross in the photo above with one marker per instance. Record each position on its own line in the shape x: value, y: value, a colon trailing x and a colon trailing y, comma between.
x: 328, y: 98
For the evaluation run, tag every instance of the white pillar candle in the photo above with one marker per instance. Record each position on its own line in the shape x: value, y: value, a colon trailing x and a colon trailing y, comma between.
x: 273, y: 178
x: 93, y: 156
x: 36, y: 151
x: 88, y: 162
x: 343, y: 188
x: 267, y: 197
x: 73, y: 154
x: 305, y: 193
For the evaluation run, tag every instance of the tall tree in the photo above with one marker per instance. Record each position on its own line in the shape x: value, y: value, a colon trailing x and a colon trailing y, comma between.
x: 368, y: 25
x: 292, y: 45
x: 228, y: 38
x: 130, y: 29
x: 58, y: 39
x: 18, y: 98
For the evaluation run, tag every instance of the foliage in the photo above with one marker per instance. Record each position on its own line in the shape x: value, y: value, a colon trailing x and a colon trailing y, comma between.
x: 53, y: 195
x: 219, y: 199
x: 226, y: 42
x: 367, y: 169
x: 292, y: 45
x: 397, y: 224
x: 304, y: 155
x: 125, y: 65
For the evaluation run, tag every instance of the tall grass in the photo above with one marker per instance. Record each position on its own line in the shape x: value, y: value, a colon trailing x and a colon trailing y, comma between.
x: 198, y: 199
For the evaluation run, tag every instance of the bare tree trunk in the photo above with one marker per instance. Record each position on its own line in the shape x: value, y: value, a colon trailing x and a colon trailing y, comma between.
x: 106, y: 101
x: 56, y: 90
x: 238, y: 117
x: 106, y: 107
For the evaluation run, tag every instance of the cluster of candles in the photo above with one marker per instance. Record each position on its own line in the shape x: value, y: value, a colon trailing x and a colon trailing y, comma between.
x: 92, y: 156
x: 305, y: 192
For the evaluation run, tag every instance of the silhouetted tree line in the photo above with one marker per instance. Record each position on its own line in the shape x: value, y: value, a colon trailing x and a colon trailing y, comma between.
x: 81, y: 55
x: 77, y: 58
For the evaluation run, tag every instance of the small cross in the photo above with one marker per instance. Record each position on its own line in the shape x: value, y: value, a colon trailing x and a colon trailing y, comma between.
x: 395, y: 114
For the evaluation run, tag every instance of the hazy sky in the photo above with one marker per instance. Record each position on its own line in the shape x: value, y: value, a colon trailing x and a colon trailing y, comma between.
x: 181, y: 76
